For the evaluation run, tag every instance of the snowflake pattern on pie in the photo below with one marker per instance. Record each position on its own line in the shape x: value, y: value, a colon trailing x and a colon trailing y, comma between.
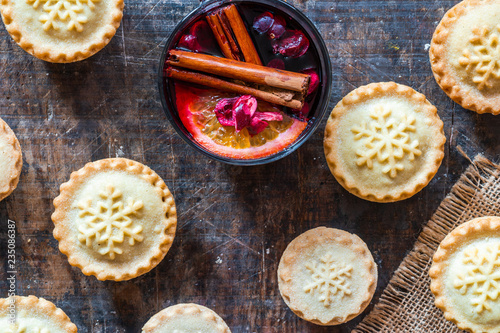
x: 328, y: 279
x: 21, y: 328
x: 108, y: 224
x: 481, y: 276
x: 387, y: 140
x: 60, y: 12
x: 483, y: 57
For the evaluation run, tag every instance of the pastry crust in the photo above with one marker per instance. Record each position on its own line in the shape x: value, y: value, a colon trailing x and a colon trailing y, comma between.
x: 384, y: 142
x: 11, y: 160
x: 191, y: 318
x: 452, y: 277
x: 464, y: 54
x: 32, y: 311
x: 140, y: 211
x: 66, y: 31
x: 328, y: 252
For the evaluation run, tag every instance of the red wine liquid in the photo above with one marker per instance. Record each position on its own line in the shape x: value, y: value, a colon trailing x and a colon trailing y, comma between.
x: 264, y: 44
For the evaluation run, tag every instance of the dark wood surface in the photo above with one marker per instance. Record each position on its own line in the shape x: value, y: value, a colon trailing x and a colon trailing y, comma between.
x: 234, y: 222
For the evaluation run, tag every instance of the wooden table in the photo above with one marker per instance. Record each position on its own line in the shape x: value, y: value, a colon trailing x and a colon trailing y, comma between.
x: 234, y: 222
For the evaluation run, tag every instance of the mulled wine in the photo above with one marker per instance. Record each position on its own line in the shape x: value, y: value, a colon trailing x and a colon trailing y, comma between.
x: 245, y: 80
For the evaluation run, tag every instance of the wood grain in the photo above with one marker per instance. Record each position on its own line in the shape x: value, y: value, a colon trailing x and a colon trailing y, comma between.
x: 234, y: 222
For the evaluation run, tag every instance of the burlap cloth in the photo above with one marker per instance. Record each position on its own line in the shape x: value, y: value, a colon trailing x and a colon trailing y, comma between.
x: 407, y: 304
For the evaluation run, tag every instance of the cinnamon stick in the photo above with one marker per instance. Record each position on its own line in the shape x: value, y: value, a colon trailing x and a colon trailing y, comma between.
x: 276, y: 96
x: 238, y: 70
x: 240, y: 32
x: 232, y: 35
x: 226, y: 26
x: 222, y: 39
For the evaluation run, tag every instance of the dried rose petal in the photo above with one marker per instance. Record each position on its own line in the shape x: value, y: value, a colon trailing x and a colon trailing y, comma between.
x: 240, y: 112
x: 224, y: 111
x: 189, y: 42
x: 314, y: 80
x: 203, y: 34
x: 278, y: 28
x: 243, y: 111
x: 293, y: 44
x: 241, y: 119
x: 263, y: 22
x: 276, y: 63
x: 257, y: 126
x: 269, y: 116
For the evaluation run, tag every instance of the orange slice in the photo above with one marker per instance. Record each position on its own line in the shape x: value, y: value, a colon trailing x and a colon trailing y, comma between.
x: 196, y: 111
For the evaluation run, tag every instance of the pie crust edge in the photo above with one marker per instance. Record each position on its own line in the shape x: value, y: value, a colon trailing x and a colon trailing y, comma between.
x: 6, y: 131
x: 366, y: 92
x: 157, y: 320
x: 68, y: 189
x: 439, y: 263
x: 45, y: 53
x: 47, y: 307
x: 312, y: 238
x: 440, y: 67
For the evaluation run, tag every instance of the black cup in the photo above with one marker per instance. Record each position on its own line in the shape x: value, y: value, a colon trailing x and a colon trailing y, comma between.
x: 317, y: 45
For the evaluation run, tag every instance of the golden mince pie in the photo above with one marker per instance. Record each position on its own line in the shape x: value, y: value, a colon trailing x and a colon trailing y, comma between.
x: 62, y: 30
x: 327, y: 276
x: 115, y: 219
x: 11, y: 160
x: 465, y: 55
x: 32, y: 315
x: 186, y: 318
x: 466, y: 275
x: 384, y: 142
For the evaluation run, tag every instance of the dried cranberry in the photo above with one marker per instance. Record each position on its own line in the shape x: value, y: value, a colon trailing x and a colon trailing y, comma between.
x: 243, y: 111
x: 293, y: 44
x: 278, y: 28
x: 276, y: 63
x: 313, y: 85
x: 205, y: 38
x: 263, y: 22
x: 198, y: 27
x: 224, y: 111
x: 189, y: 42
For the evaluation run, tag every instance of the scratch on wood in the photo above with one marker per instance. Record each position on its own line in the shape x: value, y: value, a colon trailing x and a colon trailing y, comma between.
x: 196, y: 206
x: 140, y: 40
x: 347, y: 81
x: 424, y: 83
x: 147, y: 14
x: 154, y: 48
x: 19, y: 75
x: 124, y: 49
x: 248, y: 278
x: 49, y: 110
x: 173, y: 163
x: 450, y: 143
x: 263, y: 258
x: 367, y: 63
x: 218, y: 246
x: 142, y: 139
x: 98, y: 107
x: 234, y: 238
x: 70, y: 129
x: 75, y: 156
